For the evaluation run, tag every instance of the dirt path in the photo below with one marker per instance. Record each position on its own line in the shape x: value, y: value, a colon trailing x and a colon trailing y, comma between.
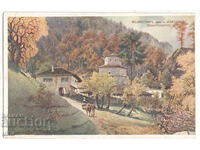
x: 74, y: 103
x: 111, y: 123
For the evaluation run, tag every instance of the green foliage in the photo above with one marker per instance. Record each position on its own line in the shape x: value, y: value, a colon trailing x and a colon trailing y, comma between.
x: 100, y: 84
x: 147, y: 78
x: 132, y: 51
x: 149, y: 104
x: 166, y: 78
x: 137, y: 87
x: 127, y: 96
x: 133, y: 91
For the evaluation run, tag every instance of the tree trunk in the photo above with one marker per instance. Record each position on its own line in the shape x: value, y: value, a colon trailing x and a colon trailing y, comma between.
x: 97, y: 101
x: 122, y: 108
x: 108, y: 106
x: 18, y: 57
x: 12, y: 58
x: 132, y: 107
x: 131, y: 72
x: 102, y: 102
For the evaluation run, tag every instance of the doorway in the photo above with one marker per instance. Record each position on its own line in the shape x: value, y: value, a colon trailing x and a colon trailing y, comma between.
x: 62, y: 91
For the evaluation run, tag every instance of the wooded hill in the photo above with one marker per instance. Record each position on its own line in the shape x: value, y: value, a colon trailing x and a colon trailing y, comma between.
x: 81, y: 43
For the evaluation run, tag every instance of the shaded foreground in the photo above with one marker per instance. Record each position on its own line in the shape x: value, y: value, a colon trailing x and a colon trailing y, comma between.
x: 108, y: 122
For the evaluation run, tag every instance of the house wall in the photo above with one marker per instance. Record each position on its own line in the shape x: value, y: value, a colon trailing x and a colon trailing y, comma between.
x: 112, y: 60
x: 113, y: 71
x: 120, y: 74
x: 156, y: 91
x: 57, y: 83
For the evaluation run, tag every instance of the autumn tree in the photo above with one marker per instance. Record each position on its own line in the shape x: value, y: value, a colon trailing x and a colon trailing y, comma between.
x: 191, y: 34
x: 106, y: 87
x: 100, y: 85
x: 183, y: 88
x: 154, y: 56
x: 112, y: 45
x: 178, y: 112
x: 23, y: 32
x: 127, y: 96
x: 181, y: 27
x: 137, y: 88
x: 92, y: 85
x: 132, y: 51
x: 68, y: 50
x: 86, y: 50
x: 132, y: 93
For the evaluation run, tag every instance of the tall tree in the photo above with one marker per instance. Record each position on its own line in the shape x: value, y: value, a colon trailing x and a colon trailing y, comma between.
x: 154, y: 56
x: 181, y: 27
x: 92, y: 85
x: 183, y: 88
x: 23, y: 32
x: 127, y: 96
x: 131, y: 93
x: 191, y: 34
x: 132, y: 51
x: 166, y: 78
x: 100, y: 85
x: 107, y: 87
x: 137, y: 88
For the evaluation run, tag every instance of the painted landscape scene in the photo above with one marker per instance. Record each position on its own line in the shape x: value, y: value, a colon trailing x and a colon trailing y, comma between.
x: 101, y: 75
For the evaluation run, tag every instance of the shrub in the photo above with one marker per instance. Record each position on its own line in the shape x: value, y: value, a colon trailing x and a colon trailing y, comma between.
x: 45, y: 100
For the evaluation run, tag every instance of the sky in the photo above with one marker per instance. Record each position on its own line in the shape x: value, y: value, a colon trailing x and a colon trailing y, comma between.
x: 159, y: 27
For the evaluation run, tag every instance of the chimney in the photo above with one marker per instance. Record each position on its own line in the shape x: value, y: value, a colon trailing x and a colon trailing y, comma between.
x: 52, y: 68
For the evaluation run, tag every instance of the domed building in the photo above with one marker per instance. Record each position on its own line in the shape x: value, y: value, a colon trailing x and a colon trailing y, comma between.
x: 113, y: 66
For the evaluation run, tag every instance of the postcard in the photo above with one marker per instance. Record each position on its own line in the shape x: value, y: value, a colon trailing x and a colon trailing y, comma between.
x: 99, y: 74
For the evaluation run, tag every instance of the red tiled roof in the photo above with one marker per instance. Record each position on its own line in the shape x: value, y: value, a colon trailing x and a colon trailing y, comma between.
x: 112, y: 55
x: 59, y: 72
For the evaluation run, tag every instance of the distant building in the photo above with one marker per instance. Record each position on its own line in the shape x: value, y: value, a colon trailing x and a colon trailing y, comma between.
x: 59, y: 80
x: 156, y: 91
x: 113, y: 66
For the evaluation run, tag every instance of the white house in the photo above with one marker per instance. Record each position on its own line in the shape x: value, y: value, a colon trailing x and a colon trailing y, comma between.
x: 113, y: 66
x: 155, y: 91
x: 59, y: 80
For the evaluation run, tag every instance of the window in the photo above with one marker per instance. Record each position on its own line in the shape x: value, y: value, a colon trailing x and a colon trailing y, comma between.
x: 65, y: 79
x: 47, y: 79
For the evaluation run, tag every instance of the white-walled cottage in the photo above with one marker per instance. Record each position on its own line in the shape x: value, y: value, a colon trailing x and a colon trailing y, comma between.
x: 59, y: 80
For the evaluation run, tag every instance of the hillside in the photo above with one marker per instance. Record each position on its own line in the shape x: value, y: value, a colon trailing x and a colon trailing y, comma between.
x: 103, y: 33
x: 70, y: 120
x: 61, y: 26
x: 171, y: 61
x: 165, y: 46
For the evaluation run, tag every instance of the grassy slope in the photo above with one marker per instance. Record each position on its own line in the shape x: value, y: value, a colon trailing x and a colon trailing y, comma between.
x: 108, y: 122
x: 138, y: 123
x: 70, y: 121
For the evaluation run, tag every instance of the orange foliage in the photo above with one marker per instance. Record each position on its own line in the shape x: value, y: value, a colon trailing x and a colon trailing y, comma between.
x: 113, y: 44
x: 87, y: 48
x: 192, y: 34
x: 183, y: 88
x: 180, y: 26
x: 23, y: 32
x: 154, y: 56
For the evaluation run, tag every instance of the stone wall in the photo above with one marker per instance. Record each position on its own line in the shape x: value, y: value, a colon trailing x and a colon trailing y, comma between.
x: 120, y: 74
